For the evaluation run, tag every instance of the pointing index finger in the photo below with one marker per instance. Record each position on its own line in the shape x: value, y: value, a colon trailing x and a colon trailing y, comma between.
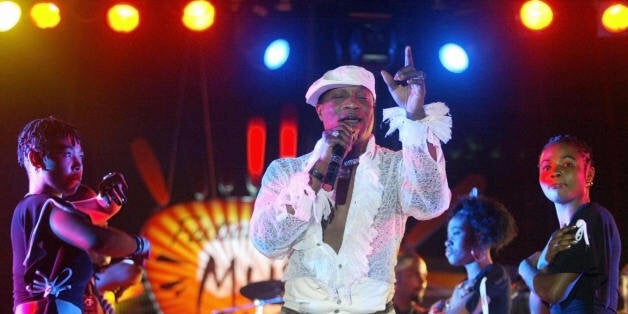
x: 408, y: 58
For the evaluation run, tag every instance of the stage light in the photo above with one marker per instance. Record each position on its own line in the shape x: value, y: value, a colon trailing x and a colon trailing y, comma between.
x: 536, y: 15
x: 45, y: 15
x: 269, y: 38
x: 256, y: 148
x: 288, y: 132
x: 453, y: 57
x: 615, y: 18
x: 198, y: 15
x: 123, y: 18
x: 10, y: 13
x: 276, y: 54
x: 270, y: 49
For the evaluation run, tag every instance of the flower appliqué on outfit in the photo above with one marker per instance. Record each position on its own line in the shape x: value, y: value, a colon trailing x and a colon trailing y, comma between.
x: 581, y: 232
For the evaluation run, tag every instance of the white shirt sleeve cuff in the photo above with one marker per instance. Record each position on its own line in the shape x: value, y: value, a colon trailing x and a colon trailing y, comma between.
x: 434, y: 128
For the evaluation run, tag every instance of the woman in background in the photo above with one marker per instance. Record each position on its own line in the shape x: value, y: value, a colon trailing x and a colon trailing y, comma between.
x: 578, y: 271
x: 477, y: 226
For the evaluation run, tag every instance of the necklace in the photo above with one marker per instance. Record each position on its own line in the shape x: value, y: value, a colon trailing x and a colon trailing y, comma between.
x: 347, y: 167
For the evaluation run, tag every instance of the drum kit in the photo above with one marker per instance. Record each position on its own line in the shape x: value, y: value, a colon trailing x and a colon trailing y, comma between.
x: 262, y: 293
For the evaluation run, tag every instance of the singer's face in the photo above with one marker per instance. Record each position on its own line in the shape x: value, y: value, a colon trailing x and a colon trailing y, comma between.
x: 351, y: 105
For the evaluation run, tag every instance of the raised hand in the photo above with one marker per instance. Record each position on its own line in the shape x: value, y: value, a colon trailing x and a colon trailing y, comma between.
x: 407, y: 87
x: 113, y: 188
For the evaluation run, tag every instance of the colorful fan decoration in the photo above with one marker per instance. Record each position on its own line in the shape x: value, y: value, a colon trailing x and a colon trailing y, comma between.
x: 201, y: 257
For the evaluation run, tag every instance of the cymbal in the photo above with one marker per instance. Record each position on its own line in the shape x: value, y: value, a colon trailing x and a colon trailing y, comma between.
x: 263, y: 290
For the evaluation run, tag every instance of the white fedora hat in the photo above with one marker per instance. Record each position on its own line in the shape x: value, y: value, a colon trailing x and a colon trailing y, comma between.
x: 346, y: 75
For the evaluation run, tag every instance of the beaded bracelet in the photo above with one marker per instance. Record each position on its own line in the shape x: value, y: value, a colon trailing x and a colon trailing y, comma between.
x: 317, y: 174
x: 142, y: 246
x: 138, y: 245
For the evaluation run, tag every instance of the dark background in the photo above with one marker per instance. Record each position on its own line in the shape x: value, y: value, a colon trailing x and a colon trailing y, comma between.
x: 520, y: 89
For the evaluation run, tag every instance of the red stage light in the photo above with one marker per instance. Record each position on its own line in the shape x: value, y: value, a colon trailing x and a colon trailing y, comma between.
x: 288, y: 138
x: 288, y: 131
x: 256, y: 148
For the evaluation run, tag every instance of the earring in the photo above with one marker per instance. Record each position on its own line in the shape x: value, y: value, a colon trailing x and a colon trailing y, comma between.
x: 589, y: 183
x: 474, y: 256
x: 477, y: 258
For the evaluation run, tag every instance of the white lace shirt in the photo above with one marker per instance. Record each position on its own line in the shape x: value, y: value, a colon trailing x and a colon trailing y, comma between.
x: 389, y: 187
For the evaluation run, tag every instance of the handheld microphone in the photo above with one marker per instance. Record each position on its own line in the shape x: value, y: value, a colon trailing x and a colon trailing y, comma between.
x: 337, y: 153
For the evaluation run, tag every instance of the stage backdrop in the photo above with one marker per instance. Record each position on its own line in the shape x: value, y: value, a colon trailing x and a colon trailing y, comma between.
x: 201, y: 258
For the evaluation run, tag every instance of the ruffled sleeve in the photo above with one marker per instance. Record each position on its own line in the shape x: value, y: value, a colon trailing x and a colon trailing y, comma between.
x: 424, y: 190
x: 434, y: 128
x: 285, y: 206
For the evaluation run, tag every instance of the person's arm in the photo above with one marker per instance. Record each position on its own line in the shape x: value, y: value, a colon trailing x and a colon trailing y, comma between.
x: 285, y: 207
x: 553, y: 288
x: 120, y: 275
x: 104, y: 204
x: 408, y: 89
x: 424, y: 188
x: 536, y: 305
x: 79, y: 232
x: 550, y: 287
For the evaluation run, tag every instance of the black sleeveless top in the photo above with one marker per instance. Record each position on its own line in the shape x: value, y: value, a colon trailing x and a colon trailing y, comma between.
x: 33, y: 261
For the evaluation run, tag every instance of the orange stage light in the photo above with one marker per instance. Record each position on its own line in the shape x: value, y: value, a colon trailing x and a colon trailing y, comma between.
x: 615, y: 18
x: 198, y: 15
x: 123, y: 18
x: 45, y: 15
x: 536, y: 15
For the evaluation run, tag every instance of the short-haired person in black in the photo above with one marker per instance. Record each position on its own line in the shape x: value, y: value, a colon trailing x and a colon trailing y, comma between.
x: 112, y: 276
x: 51, y: 239
x: 478, y: 225
x: 578, y: 270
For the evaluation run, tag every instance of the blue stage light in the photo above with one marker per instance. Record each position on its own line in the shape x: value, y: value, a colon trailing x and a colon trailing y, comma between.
x: 454, y: 58
x: 276, y: 54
